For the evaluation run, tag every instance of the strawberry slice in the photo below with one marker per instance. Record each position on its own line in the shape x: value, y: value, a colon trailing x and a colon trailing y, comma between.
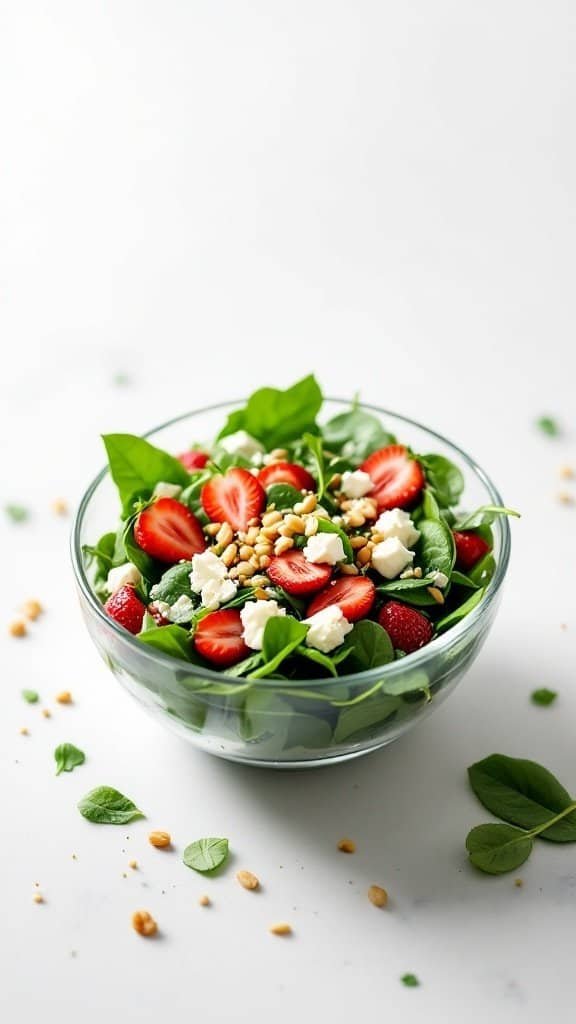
x: 218, y: 638
x: 169, y: 531
x: 193, y: 460
x: 126, y: 609
x: 354, y: 595
x: 398, y: 479
x: 470, y: 548
x: 408, y: 629
x: 234, y: 497
x: 297, y: 575
x: 287, y: 473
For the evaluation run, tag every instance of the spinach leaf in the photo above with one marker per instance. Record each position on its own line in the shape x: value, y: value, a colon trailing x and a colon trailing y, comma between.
x: 360, y: 719
x: 411, y: 591
x: 327, y: 526
x: 410, y: 980
x: 136, y: 466
x: 324, y: 660
x: 460, y: 612
x: 106, y: 806
x: 68, y: 757
x: 276, y: 417
x: 460, y: 579
x: 443, y: 477
x: 316, y: 449
x: 355, y: 434
x: 549, y: 426
x: 263, y: 713
x: 190, y: 496
x: 524, y: 793
x: 430, y: 507
x: 30, y: 696
x: 483, y: 516
x: 497, y: 849
x: 146, y: 565
x: 174, y: 583
x: 282, y: 635
x: 242, y: 668
x: 173, y: 640
x: 101, y: 556
x: 297, y: 604
x: 17, y: 513
x: 435, y: 547
x: 283, y: 496
x: 370, y: 646
x: 543, y: 697
x: 206, y: 855
x: 483, y: 571
x: 408, y: 682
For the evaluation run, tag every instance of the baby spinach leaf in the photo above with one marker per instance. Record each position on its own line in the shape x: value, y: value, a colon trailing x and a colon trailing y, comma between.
x: 68, y: 757
x: 543, y: 697
x: 17, y: 513
x: 30, y: 696
x: 435, y: 547
x: 174, y: 640
x: 261, y: 714
x: 316, y: 449
x: 409, y: 682
x: 136, y: 466
x: 307, y: 732
x: 430, y: 507
x: 102, y: 554
x: 443, y: 477
x: 460, y: 579
x: 242, y: 668
x: 327, y: 526
x: 483, y: 571
x: 282, y: 635
x: 549, y: 426
x: 410, y: 980
x: 283, y: 496
x: 190, y: 496
x: 324, y: 660
x: 483, y: 516
x: 297, y: 604
x: 276, y: 417
x: 497, y: 849
x: 524, y: 793
x: 355, y: 434
x: 174, y: 583
x: 370, y: 646
x: 460, y: 612
x: 206, y: 854
x: 150, y: 569
x: 106, y: 806
x: 360, y: 719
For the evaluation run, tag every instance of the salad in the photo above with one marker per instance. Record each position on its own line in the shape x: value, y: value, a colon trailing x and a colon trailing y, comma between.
x: 287, y: 550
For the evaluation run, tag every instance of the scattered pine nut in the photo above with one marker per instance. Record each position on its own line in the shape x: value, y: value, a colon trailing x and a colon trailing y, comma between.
x: 38, y: 897
x: 46, y: 713
x: 518, y: 882
x: 567, y: 472
x: 247, y: 880
x: 160, y: 839
x: 144, y: 923
x: 281, y: 928
x: 347, y: 846
x: 17, y: 628
x: 378, y: 896
x: 204, y: 901
x: 565, y: 498
x: 60, y: 507
x: 64, y: 697
x: 24, y: 731
x: 32, y: 609
x: 133, y: 864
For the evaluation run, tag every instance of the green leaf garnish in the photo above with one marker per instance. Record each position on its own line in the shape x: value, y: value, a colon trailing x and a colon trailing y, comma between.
x: 206, y: 854
x: 107, y: 806
x: 30, y: 696
x: 410, y: 980
x: 497, y: 849
x: 136, y: 466
x: 68, y: 757
x: 548, y: 425
x: 17, y: 513
x: 277, y: 417
x: 524, y: 793
x: 543, y: 697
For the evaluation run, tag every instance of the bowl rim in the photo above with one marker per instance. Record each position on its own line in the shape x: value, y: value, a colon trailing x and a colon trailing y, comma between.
x: 417, y: 659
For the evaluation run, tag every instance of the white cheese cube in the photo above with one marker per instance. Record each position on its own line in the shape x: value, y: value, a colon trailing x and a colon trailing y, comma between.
x: 324, y: 547
x: 395, y: 522
x: 241, y: 443
x: 121, y: 576
x: 328, y: 628
x: 255, y: 615
x: 390, y: 557
x: 166, y: 490
x: 356, y: 484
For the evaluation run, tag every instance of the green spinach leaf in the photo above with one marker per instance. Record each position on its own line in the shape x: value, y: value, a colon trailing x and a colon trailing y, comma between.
x: 136, y: 466
x: 443, y: 477
x: 483, y: 516
x: 497, y: 849
x: 17, y: 513
x: 173, y: 640
x: 460, y: 612
x: 30, y: 696
x: 68, y: 757
x: 327, y: 526
x: 355, y: 434
x: 174, y: 583
x: 282, y: 635
x: 106, y: 806
x: 435, y: 547
x: 543, y: 697
x: 282, y: 496
x: 524, y: 793
x: 549, y: 426
x: 483, y: 571
x: 277, y: 417
x: 360, y: 720
x: 370, y: 646
x: 205, y: 855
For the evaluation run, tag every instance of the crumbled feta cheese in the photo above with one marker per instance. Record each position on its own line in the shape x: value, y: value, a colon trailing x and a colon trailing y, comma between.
x: 182, y: 610
x: 390, y: 557
x: 395, y: 522
x: 122, y: 575
x: 437, y: 578
x: 255, y: 615
x: 328, y: 628
x: 241, y: 443
x: 209, y: 578
x: 166, y: 490
x: 356, y: 484
x: 324, y: 547
x: 257, y: 459
x: 162, y: 607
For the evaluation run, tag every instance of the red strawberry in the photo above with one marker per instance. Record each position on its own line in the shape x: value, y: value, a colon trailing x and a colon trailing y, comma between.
x: 234, y: 497
x: 287, y: 473
x: 126, y: 609
x: 398, y: 479
x: 470, y: 548
x: 407, y: 628
x: 193, y: 460
x: 169, y: 531
x: 218, y: 638
x: 157, y: 615
x: 354, y: 595
x: 296, y: 574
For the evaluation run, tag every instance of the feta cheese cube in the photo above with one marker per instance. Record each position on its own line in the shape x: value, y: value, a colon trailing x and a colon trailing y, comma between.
x: 255, y: 615
x: 241, y: 443
x: 165, y: 490
x: 356, y: 484
x: 217, y: 592
x: 390, y: 557
x: 182, y: 610
x: 324, y: 547
x: 122, y: 575
x: 395, y: 522
x: 437, y: 578
x: 209, y: 578
x: 328, y: 628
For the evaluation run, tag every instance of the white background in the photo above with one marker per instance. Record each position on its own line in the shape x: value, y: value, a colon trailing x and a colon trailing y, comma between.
x: 211, y: 196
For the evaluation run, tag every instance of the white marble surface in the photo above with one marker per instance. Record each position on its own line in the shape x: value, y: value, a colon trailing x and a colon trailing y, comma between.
x: 210, y: 196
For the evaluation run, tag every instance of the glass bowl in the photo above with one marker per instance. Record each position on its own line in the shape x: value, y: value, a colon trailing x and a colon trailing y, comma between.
x: 270, y: 722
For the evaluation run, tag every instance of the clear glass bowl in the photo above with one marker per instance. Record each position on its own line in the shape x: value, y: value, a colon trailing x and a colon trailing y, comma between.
x: 270, y: 722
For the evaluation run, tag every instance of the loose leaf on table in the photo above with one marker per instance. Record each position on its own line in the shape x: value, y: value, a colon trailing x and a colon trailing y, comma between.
x: 443, y: 477
x: 102, y: 554
x: 136, y: 466
x: 483, y: 516
x: 410, y: 980
x: 106, y: 806
x: 543, y: 697
x: 548, y: 425
x: 355, y: 434
x: 173, y: 639
x: 370, y: 646
x: 68, y: 757
x: 206, y: 854
x: 497, y: 849
x: 282, y: 496
x: 282, y: 635
x: 435, y: 547
x: 30, y: 696
x: 277, y: 417
x: 17, y: 513
x: 523, y: 793
x: 460, y: 612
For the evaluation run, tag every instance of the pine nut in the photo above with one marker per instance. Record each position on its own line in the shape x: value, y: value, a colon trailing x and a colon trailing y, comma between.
x: 225, y: 535
x: 354, y: 519
x: 233, y: 572
x: 295, y: 523
x: 335, y: 481
x: 247, y: 880
x: 308, y: 504
x: 264, y: 561
x: 347, y: 846
x: 252, y: 534
x: 279, y: 454
x: 259, y: 581
x: 262, y: 549
x: 281, y: 928
x: 271, y: 532
x: 311, y: 526
x: 144, y: 923
x: 437, y: 594
x: 358, y: 542
x: 32, y: 609
x: 378, y: 537
x: 246, y: 552
x: 378, y: 896
x: 255, y: 521
x: 260, y: 594
x: 269, y: 518
x: 348, y: 569
x: 285, y: 530
x: 64, y: 697
x: 255, y: 561
x: 417, y: 573
x: 204, y: 901
x: 17, y: 628
x: 364, y: 556
x: 229, y: 554
x: 245, y: 569
x: 212, y: 529
x: 282, y: 545
x: 159, y: 839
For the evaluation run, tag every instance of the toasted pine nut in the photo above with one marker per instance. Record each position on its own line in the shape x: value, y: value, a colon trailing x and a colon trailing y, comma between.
x: 308, y: 504
x: 347, y: 846
x: 377, y: 537
x: 144, y: 923
x: 159, y: 839
x: 270, y: 518
x: 295, y: 523
x: 408, y: 574
x: 264, y: 561
x: 285, y: 531
x: 245, y: 569
x: 378, y: 896
x: 347, y: 569
x: 335, y: 481
x: 417, y: 573
x: 271, y: 532
x: 252, y: 534
x: 281, y: 928
x: 282, y: 545
x: 246, y: 552
x: 262, y: 549
x: 567, y: 472
x: 24, y: 731
x: 260, y: 594
x: 278, y: 454
x: 17, y: 628
x: 364, y: 556
x: 225, y: 535
x: 38, y: 897
x: 354, y: 519
x: 255, y: 521
x: 229, y: 554
x: 233, y: 572
x: 133, y: 864
x: 204, y: 901
x: 255, y: 561
x: 46, y: 713
x: 64, y: 697
x: 32, y: 609
x: 247, y: 880
x: 358, y: 542
x: 436, y: 593
x: 311, y: 526
x: 60, y: 507
x: 212, y: 529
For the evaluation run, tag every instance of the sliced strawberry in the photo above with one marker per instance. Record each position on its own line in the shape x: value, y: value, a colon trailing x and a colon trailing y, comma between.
x: 296, y: 574
x: 287, y: 473
x: 408, y: 629
x: 470, y: 548
x: 169, y: 531
x: 398, y: 479
x: 193, y: 460
x: 218, y: 638
x: 234, y: 497
x: 354, y: 595
x: 126, y: 609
